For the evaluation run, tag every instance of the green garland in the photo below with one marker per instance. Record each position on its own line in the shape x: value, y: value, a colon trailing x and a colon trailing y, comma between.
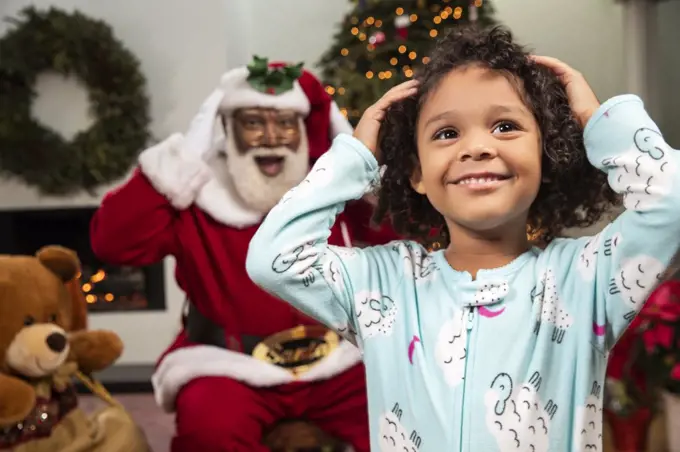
x: 71, y: 44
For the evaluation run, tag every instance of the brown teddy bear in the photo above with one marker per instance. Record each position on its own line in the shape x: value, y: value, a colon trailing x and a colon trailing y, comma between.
x: 39, y: 353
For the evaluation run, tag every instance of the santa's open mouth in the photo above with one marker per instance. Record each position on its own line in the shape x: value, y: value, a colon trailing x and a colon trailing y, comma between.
x: 270, y: 166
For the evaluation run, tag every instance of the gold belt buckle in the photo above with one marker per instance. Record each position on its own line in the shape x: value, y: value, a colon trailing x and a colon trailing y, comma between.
x: 298, y: 349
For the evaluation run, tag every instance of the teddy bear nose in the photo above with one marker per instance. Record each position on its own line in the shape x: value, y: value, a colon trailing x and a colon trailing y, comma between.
x: 56, y: 342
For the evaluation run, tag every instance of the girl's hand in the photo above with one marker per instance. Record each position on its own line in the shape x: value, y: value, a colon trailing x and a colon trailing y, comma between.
x: 582, y: 99
x: 369, y: 124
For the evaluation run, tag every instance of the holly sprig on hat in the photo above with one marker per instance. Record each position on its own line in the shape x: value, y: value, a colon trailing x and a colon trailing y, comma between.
x: 270, y: 80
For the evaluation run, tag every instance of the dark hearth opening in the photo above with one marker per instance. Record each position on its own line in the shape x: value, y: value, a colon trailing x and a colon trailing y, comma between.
x: 108, y: 288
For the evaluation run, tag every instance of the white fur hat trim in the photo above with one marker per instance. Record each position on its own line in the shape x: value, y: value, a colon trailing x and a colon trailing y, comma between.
x: 239, y: 94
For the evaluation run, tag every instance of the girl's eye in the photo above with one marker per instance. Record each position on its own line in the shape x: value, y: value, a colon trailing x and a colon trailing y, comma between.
x: 505, y: 127
x: 446, y: 134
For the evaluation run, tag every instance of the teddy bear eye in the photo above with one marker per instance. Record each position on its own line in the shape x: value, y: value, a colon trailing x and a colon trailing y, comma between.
x: 29, y: 321
x: 53, y: 318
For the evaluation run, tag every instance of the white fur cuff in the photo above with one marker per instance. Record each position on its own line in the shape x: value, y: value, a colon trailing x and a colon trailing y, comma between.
x: 240, y: 94
x: 183, y: 365
x: 173, y: 172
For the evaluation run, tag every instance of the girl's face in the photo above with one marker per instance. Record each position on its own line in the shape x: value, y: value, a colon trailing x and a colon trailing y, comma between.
x: 479, y: 149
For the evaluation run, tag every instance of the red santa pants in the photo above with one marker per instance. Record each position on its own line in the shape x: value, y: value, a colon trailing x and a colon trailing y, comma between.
x: 218, y: 414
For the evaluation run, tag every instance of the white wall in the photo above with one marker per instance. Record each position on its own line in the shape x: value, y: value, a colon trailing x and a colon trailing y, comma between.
x: 297, y: 30
x: 183, y: 51
x: 667, y: 38
x: 587, y: 34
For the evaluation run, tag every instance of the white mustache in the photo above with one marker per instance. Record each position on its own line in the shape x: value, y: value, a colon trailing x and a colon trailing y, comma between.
x: 279, y: 152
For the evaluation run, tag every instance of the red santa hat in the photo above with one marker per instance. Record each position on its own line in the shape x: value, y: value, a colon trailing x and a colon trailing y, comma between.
x: 247, y: 87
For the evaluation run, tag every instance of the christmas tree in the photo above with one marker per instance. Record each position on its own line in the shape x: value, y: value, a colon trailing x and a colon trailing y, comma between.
x: 382, y: 42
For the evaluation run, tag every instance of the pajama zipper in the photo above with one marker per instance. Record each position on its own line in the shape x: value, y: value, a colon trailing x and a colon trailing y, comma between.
x: 470, y: 315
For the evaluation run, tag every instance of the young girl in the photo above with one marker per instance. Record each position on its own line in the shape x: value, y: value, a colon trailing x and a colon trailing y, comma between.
x: 488, y: 344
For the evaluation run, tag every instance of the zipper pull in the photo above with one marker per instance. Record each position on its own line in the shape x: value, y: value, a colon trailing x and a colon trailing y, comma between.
x: 470, y: 318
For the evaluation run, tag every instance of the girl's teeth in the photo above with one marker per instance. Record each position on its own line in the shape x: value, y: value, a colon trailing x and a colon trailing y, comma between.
x: 479, y: 180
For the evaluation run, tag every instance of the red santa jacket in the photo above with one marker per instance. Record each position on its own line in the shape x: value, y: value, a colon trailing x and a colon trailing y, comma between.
x: 138, y: 225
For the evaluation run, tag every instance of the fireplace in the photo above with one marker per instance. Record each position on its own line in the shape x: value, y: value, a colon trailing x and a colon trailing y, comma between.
x: 108, y: 288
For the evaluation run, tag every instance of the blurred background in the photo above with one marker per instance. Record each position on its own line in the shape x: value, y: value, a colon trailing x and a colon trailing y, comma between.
x: 358, y: 48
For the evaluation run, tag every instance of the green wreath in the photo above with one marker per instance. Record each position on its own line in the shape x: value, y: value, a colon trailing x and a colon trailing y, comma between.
x: 71, y: 44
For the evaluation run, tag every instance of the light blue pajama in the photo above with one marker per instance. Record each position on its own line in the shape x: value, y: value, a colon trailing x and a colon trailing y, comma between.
x: 512, y: 361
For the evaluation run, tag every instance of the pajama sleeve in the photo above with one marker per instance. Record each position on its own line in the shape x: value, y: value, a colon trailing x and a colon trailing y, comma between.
x: 289, y: 256
x: 625, y: 261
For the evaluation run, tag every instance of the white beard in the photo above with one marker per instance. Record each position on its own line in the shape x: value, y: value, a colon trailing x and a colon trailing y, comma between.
x: 256, y: 190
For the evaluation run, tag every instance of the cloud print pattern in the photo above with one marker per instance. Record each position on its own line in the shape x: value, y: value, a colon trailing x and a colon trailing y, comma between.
x: 518, y: 367
x: 588, y: 424
x: 516, y: 416
x: 646, y: 173
x: 417, y: 262
x: 588, y: 258
x: 637, y: 277
x: 376, y: 313
x: 551, y: 309
x: 393, y: 435
x: 451, y: 349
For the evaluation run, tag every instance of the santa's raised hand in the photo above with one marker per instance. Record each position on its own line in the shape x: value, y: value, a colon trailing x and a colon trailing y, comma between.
x: 199, y: 138
x: 176, y: 167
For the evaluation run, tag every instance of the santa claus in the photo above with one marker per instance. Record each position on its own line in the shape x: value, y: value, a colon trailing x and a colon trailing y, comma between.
x: 243, y: 359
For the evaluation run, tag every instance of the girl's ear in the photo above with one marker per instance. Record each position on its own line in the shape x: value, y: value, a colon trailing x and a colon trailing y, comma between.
x: 417, y: 181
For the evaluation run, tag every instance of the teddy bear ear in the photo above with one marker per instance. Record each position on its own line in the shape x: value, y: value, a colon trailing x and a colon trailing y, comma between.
x: 63, y: 262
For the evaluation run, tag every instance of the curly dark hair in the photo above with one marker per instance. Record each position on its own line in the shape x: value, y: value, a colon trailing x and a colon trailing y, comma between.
x: 573, y: 192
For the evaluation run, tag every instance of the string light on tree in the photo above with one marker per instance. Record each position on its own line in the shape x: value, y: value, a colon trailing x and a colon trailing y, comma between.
x: 383, y: 42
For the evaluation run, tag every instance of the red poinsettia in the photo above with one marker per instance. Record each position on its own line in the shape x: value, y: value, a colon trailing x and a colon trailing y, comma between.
x: 657, y: 335
x: 659, y: 330
x: 664, y: 303
x: 647, y: 356
x: 675, y: 372
x: 660, y: 317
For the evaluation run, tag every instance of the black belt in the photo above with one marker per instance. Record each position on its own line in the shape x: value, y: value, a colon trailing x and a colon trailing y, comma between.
x: 202, y: 330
